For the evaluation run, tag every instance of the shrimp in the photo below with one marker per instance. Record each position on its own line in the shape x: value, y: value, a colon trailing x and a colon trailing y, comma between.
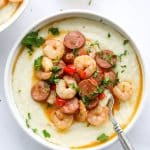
x: 52, y: 97
x: 85, y: 63
x: 3, y: 3
x: 98, y: 116
x: 54, y: 49
x: 60, y: 120
x: 43, y: 75
x: 64, y: 89
x: 82, y: 115
x: 123, y: 91
x: 47, y: 64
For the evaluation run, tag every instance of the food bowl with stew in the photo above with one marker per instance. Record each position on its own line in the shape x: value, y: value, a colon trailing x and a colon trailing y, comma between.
x: 10, y: 10
x: 59, y: 76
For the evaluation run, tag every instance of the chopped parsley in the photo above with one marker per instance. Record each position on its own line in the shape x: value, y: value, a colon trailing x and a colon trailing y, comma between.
x: 95, y: 43
x: 29, y: 116
x: 27, y: 123
x: 35, y: 130
x: 95, y: 74
x: 106, y: 81
x: 102, y: 138
x: 49, y: 105
x: 108, y: 35
x: 125, y: 42
x: 54, y: 79
x: 54, y: 31
x: 88, y: 124
x: 74, y: 86
x: 123, y: 66
x: 38, y: 63
x: 86, y: 100
x: 122, y: 71
x: 122, y: 54
x: 75, y: 52
x: 32, y: 40
x: 55, y: 69
x: 19, y: 91
x: 90, y: 2
x: 46, y: 134
x: 28, y: 119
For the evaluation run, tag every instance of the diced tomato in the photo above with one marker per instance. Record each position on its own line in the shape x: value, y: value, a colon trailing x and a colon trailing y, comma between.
x: 83, y: 75
x: 101, y: 96
x: 53, y: 87
x: 70, y: 69
x: 60, y: 102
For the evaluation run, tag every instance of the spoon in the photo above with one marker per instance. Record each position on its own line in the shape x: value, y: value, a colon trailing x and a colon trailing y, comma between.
x: 122, y: 138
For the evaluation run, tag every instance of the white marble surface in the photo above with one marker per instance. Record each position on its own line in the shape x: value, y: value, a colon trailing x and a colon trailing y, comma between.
x: 131, y: 15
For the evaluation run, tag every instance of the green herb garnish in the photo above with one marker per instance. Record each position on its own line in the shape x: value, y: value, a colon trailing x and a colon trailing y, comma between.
x: 35, y: 130
x: 19, y: 91
x: 108, y: 35
x: 75, y: 52
x: 54, y: 31
x: 55, y: 69
x: 95, y: 74
x: 125, y: 42
x: 106, y: 81
x: 74, y: 86
x: 86, y: 100
x: 122, y: 71
x: 46, y: 134
x: 38, y: 63
x: 95, y: 43
x: 32, y: 40
x: 27, y: 123
x: 90, y: 2
x: 54, y: 79
x: 29, y: 116
x: 123, y: 54
x: 123, y: 66
x: 49, y: 105
x: 102, y: 138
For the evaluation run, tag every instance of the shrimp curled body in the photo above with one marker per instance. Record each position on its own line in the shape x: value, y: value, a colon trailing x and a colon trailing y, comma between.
x: 98, y: 116
x: 63, y: 88
x: 123, y: 91
x: 61, y: 120
x: 85, y: 63
x: 54, y: 49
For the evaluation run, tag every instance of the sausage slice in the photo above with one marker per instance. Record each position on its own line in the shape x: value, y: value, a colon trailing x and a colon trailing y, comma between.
x: 68, y: 58
x: 74, y: 39
x: 88, y: 87
x: 106, y: 59
x: 71, y: 106
x: 40, y: 91
x: 94, y: 103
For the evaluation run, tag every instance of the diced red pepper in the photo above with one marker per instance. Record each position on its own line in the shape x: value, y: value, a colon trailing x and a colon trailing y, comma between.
x: 53, y: 87
x: 101, y: 96
x: 70, y: 69
x: 83, y: 75
x: 60, y: 102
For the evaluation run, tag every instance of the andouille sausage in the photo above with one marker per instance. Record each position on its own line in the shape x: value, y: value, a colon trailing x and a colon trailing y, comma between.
x: 94, y: 103
x: 71, y: 106
x: 88, y: 87
x: 40, y: 91
x: 111, y: 76
x: 74, y: 39
x: 106, y: 59
x: 68, y: 58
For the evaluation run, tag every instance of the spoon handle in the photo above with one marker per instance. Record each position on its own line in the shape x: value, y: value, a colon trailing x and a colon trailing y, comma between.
x: 122, y: 138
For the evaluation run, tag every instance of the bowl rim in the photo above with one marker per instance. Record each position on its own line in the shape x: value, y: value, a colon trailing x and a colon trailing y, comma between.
x: 47, y: 20
x: 15, y: 16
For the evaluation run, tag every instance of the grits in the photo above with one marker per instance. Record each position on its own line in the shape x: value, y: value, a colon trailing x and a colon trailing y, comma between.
x: 79, y: 134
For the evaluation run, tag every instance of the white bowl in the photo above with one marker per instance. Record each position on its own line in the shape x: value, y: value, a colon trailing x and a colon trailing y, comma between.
x: 14, y: 52
x: 15, y: 16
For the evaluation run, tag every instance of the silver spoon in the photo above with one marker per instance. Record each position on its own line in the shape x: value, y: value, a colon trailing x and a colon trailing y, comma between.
x: 122, y: 138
